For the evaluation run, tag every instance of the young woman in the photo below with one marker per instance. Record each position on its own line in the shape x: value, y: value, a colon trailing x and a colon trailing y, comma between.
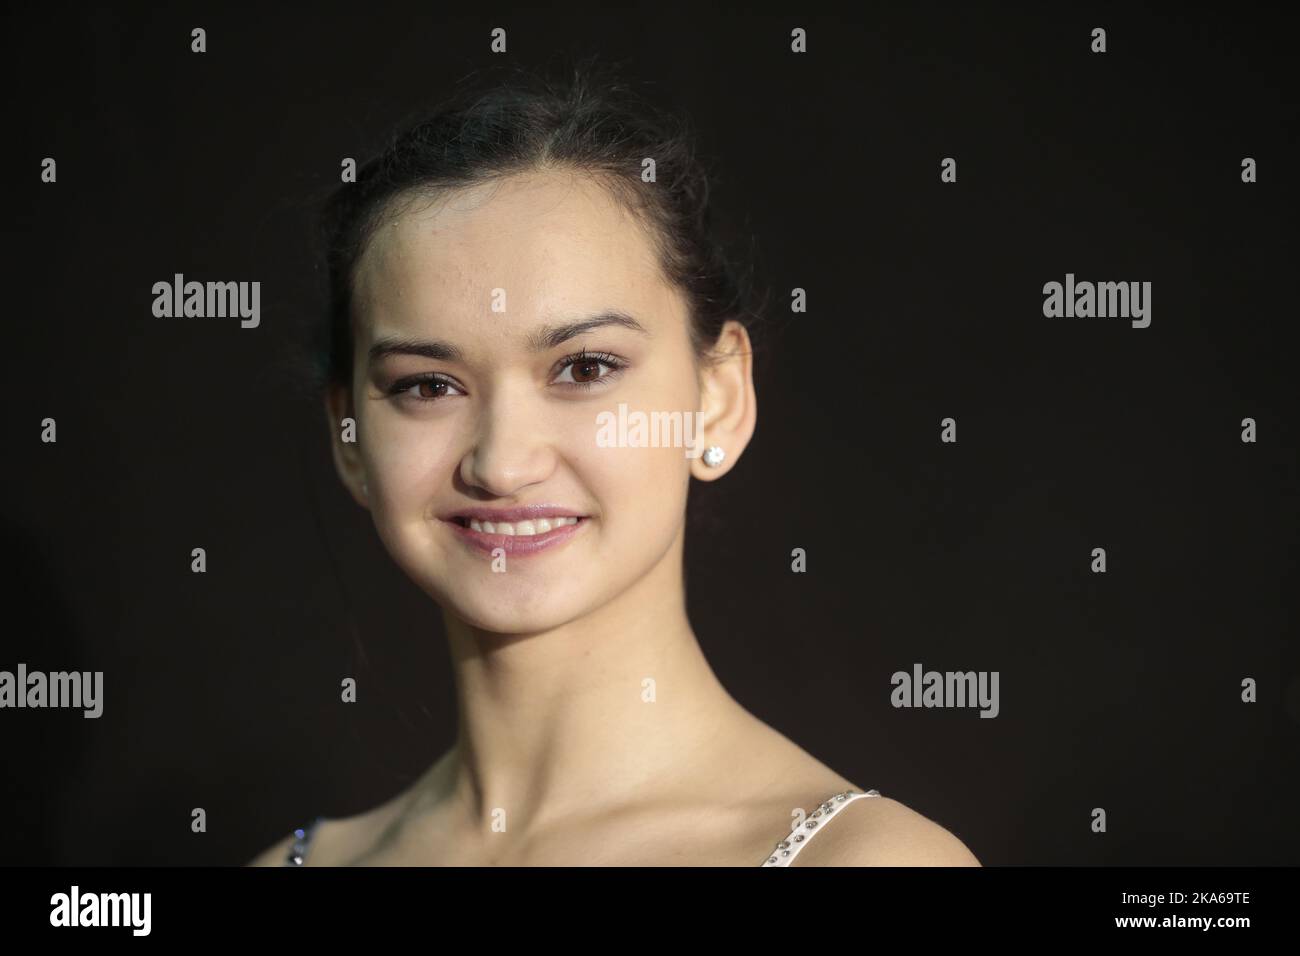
x: 503, y: 274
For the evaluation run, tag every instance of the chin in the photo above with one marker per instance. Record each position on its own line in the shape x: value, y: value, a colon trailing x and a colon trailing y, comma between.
x: 514, y: 606
x: 507, y: 617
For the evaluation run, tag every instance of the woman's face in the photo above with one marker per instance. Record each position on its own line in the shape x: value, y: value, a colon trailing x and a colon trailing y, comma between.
x: 466, y: 310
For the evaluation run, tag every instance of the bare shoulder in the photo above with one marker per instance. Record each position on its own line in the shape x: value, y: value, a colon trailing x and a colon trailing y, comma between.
x: 274, y: 855
x: 881, y: 831
x: 874, y: 831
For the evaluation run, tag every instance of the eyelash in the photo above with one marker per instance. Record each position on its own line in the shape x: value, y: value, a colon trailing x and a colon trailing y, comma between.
x: 616, y: 365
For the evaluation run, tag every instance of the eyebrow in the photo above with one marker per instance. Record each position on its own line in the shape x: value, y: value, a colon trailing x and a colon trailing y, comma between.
x: 539, y: 340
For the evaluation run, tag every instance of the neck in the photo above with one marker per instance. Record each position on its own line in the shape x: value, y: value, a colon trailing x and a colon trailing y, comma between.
x: 610, y: 708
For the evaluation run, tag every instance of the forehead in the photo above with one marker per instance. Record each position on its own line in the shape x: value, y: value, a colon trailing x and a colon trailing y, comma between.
x: 555, y: 242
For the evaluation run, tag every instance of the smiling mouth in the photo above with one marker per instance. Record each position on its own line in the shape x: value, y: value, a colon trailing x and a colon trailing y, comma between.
x: 523, y: 538
x: 521, y: 529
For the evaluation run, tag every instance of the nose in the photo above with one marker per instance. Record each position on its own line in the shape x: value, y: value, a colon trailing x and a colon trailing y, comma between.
x: 513, y: 445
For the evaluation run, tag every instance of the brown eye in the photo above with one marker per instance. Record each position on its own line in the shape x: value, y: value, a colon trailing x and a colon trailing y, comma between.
x: 584, y: 369
x: 423, y: 391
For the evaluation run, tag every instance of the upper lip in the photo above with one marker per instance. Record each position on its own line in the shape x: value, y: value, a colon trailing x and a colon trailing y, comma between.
x: 524, y: 513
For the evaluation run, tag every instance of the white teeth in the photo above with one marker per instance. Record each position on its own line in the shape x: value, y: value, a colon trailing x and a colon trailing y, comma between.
x: 525, y: 528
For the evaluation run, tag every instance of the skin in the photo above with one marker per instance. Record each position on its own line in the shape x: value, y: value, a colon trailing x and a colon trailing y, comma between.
x: 555, y: 736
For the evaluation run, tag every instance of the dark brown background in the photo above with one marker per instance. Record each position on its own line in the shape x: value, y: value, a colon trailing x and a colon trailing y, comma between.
x: 1118, y: 690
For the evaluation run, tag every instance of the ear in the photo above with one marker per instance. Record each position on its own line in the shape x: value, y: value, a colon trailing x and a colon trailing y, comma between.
x: 727, y: 402
x: 347, y: 456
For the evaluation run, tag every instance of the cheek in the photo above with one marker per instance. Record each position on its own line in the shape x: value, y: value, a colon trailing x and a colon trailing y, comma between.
x: 641, y: 492
x: 643, y: 488
x: 408, y: 459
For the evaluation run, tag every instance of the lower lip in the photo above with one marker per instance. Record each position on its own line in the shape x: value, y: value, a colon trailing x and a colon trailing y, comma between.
x: 514, y: 544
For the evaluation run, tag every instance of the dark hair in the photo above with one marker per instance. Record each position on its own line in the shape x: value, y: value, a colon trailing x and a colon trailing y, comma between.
x: 590, y: 122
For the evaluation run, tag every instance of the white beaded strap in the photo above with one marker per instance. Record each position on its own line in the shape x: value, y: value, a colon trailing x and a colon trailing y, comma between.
x: 785, y: 851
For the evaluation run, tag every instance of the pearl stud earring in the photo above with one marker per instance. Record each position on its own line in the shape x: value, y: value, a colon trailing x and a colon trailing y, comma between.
x: 713, y: 456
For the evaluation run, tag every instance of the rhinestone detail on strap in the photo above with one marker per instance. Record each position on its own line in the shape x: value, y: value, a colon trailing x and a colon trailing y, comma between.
x: 302, y: 843
x: 786, y: 850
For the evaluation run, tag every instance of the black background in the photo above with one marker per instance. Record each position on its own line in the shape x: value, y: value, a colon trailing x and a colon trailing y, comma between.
x: 1119, y: 690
